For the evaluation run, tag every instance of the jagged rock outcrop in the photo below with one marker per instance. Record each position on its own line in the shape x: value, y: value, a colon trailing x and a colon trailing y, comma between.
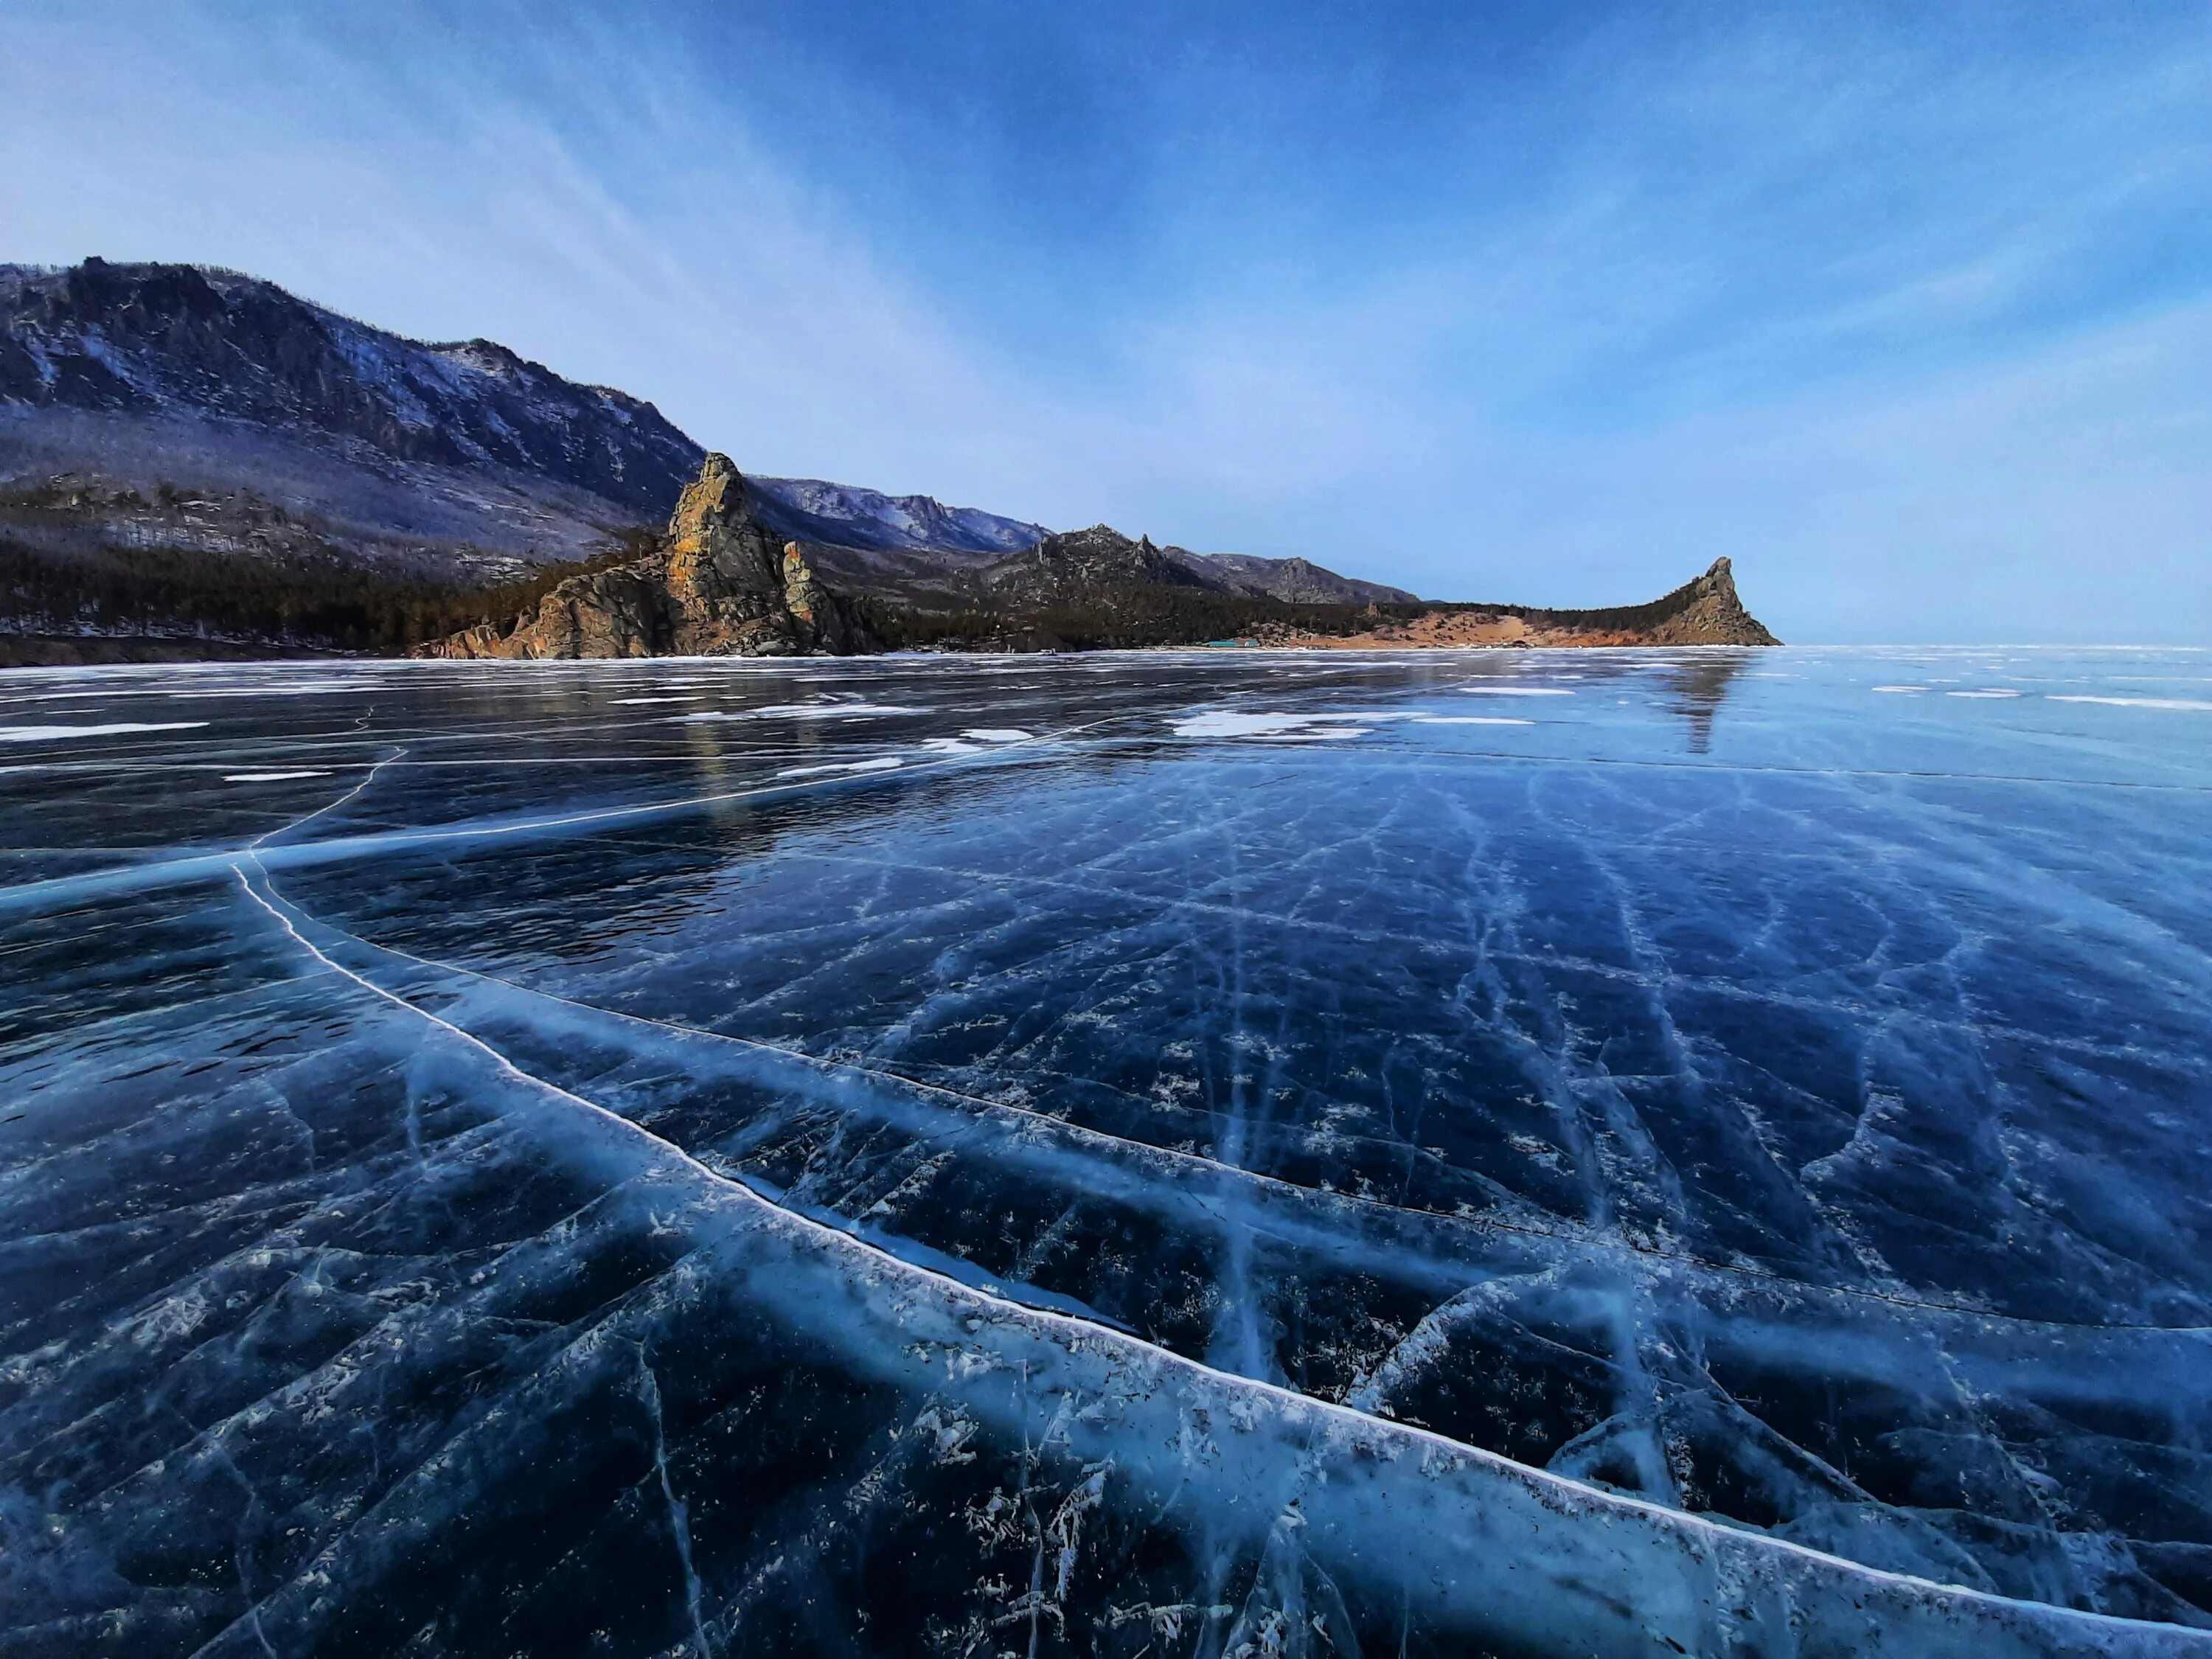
x: 1705, y: 611
x: 621, y: 612
x: 720, y: 585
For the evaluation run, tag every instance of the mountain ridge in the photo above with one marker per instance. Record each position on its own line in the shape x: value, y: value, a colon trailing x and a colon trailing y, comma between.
x: 1296, y: 581
x: 458, y: 457
x: 171, y: 339
x: 191, y: 452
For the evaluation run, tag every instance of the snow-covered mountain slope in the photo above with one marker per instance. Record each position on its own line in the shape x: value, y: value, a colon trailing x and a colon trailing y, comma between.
x: 813, y: 510
x: 180, y: 341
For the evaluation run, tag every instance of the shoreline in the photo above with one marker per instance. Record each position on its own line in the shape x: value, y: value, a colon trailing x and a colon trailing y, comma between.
x: 48, y: 651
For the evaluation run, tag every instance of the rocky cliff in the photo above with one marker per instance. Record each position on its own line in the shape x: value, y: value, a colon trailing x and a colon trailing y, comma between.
x: 721, y: 584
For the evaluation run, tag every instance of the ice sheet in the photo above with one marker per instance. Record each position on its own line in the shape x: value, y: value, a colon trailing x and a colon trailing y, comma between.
x: 1716, y: 1171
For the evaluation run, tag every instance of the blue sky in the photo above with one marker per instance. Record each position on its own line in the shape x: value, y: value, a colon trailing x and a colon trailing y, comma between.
x: 1907, y: 308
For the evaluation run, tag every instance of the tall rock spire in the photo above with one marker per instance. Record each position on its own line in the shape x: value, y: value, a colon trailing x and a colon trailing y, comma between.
x: 722, y: 585
x: 1710, y: 613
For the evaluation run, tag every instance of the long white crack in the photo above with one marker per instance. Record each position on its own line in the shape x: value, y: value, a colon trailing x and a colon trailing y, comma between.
x: 1484, y: 1544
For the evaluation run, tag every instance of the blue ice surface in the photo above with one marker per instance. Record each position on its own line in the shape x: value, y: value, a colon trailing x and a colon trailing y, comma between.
x: 1210, y: 1154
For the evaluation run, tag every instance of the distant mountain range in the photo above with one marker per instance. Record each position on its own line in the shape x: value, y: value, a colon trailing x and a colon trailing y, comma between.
x: 810, y: 510
x: 1294, y: 581
x: 192, y: 455
x: 866, y: 521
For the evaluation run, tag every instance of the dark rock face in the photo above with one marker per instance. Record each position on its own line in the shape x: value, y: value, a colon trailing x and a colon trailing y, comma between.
x: 721, y: 586
x: 160, y: 339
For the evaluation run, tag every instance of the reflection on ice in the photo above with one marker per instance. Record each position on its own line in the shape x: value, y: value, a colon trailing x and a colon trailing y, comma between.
x: 1718, y: 1174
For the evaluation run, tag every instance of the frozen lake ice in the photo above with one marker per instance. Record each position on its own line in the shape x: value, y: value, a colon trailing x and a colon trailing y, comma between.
x: 1206, y: 1153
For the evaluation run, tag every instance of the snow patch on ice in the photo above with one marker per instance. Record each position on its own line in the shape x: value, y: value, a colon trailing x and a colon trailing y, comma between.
x: 1239, y: 723
x: 1232, y: 723
x: 2139, y: 702
x: 61, y: 733
x: 803, y: 711
x: 888, y: 763
x: 279, y: 688
x: 1344, y: 723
